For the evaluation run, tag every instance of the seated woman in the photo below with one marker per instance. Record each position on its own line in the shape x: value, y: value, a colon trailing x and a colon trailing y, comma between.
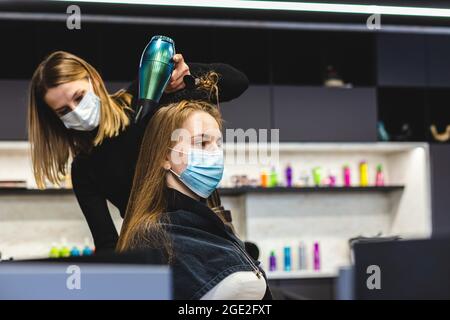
x: 179, y: 167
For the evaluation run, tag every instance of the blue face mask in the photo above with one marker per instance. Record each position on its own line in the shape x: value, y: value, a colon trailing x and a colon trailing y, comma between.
x: 203, y: 172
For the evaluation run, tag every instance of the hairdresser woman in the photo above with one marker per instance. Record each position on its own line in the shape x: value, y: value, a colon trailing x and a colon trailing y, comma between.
x: 72, y: 116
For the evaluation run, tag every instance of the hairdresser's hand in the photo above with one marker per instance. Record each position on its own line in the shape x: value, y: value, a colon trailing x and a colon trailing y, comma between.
x: 176, y: 80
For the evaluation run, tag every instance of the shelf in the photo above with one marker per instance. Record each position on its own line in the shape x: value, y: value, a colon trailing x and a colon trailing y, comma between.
x: 25, y: 191
x: 23, y: 146
x: 225, y: 191
x: 245, y: 190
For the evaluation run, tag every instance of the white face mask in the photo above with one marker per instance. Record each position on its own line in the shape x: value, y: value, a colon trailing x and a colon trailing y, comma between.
x: 86, y: 115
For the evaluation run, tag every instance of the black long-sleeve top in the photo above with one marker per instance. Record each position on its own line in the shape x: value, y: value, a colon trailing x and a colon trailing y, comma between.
x: 106, y: 172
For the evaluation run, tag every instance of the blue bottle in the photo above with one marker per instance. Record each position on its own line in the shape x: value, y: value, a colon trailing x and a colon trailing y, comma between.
x: 287, y: 258
x: 75, y: 252
x: 87, y: 251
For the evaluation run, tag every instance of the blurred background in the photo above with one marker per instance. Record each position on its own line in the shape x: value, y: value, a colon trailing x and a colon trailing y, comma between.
x: 362, y: 111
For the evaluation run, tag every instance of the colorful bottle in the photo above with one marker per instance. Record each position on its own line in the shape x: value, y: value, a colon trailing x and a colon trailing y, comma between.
x: 64, y: 252
x: 288, y: 173
x: 287, y: 259
x: 317, y: 176
x: 379, y: 179
x: 331, y: 179
x: 316, y: 256
x: 363, y: 174
x: 272, y: 261
x: 264, y: 179
x: 347, y: 176
x: 87, y: 251
x: 273, y: 178
x: 75, y: 252
x: 54, y: 251
x: 302, y: 256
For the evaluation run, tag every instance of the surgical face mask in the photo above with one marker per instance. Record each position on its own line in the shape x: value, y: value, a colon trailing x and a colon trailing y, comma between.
x: 86, y: 115
x: 203, y: 172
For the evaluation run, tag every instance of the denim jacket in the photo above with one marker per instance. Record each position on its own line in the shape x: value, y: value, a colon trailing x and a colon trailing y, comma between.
x: 205, y: 249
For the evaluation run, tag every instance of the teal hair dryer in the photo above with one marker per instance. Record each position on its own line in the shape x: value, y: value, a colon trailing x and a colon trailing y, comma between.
x: 155, y: 70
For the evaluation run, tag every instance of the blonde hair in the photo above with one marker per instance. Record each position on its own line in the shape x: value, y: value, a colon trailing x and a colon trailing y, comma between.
x: 147, y: 204
x: 208, y: 83
x: 52, y: 145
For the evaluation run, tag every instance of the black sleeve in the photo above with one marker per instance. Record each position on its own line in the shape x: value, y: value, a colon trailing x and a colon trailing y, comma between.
x: 94, y: 206
x: 232, y: 83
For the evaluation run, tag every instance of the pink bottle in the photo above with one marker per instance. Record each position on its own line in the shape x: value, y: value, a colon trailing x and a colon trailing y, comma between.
x: 379, y: 179
x: 347, y: 177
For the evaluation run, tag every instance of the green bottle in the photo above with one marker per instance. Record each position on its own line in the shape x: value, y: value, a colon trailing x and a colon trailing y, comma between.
x: 54, y: 251
x: 273, y: 181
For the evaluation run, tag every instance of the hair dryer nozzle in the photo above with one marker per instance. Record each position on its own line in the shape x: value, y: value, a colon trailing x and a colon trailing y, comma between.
x: 145, y: 108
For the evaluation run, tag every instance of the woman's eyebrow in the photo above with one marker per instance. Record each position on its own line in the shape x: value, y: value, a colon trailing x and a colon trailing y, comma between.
x: 204, y: 136
x: 66, y: 106
x: 193, y: 138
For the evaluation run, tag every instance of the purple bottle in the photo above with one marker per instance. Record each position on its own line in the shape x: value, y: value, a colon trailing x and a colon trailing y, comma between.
x: 272, y: 261
x: 316, y: 256
x: 288, y: 173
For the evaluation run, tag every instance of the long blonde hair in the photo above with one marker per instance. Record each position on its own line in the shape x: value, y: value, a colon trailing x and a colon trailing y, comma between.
x: 147, y: 204
x: 52, y: 145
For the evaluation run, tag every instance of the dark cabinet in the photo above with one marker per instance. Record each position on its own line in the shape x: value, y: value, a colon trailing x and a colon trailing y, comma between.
x: 252, y: 110
x: 316, y: 114
x: 13, y: 109
x: 438, y: 58
x: 401, y: 60
x: 440, y: 187
x: 413, y: 60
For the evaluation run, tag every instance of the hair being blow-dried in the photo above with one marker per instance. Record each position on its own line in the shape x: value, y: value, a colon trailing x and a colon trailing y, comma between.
x: 147, y: 203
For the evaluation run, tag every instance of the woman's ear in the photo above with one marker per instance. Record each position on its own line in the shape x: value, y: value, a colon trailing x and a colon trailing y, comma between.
x: 166, y: 165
